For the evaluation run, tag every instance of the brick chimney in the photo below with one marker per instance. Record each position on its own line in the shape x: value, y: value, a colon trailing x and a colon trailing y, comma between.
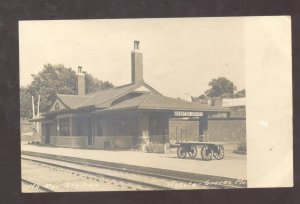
x: 80, y: 82
x: 136, y: 64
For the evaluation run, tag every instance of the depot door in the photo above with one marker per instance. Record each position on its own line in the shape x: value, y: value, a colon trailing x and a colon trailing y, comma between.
x: 181, y: 130
x: 47, y: 136
x: 90, y: 132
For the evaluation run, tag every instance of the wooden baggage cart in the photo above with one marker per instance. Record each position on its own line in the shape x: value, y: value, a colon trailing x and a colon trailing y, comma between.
x: 208, y: 150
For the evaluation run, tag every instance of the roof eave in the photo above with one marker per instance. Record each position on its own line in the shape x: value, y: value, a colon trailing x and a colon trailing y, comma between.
x: 86, y: 107
x: 57, y: 111
x: 117, y: 109
x: 184, y: 109
x: 37, y: 119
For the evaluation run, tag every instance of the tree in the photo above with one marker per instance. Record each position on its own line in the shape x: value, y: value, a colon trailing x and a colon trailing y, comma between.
x: 52, y: 80
x: 25, y: 103
x: 94, y: 84
x: 221, y: 87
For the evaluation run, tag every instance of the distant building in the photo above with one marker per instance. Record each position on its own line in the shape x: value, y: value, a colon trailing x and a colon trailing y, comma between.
x: 223, y: 127
x: 237, y: 106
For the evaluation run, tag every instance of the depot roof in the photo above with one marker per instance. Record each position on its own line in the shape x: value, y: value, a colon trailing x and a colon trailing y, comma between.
x: 140, y: 96
x: 160, y: 102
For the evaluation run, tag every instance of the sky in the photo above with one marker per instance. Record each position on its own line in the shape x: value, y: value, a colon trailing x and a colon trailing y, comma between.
x: 180, y: 55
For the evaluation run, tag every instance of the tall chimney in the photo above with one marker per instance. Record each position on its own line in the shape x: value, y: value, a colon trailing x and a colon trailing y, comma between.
x: 80, y: 82
x: 136, y: 64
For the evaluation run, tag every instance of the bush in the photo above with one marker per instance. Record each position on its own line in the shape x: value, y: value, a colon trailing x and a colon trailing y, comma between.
x: 33, y: 142
x: 242, y: 147
x: 155, y: 147
x: 149, y: 147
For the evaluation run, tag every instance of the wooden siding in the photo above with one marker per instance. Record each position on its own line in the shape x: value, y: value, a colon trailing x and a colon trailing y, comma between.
x: 182, y: 130
x: 69, y: 141
x: 230, y: 130
x: 115, y: 141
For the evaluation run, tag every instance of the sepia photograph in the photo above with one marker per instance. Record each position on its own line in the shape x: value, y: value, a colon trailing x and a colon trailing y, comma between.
x: 133, y: 104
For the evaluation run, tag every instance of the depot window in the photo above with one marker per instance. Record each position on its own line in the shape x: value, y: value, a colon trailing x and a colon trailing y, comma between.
x: 64, y: 127
x: 100, y: 127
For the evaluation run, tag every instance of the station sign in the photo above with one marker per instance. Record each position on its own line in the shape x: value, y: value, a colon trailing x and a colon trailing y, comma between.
x: 188, y: 114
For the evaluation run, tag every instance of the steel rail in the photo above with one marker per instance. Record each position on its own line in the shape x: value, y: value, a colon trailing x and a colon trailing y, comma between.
x: 36, y: 184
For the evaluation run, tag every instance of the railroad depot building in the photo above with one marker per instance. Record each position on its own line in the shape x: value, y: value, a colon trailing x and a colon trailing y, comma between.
x: 129, y: 116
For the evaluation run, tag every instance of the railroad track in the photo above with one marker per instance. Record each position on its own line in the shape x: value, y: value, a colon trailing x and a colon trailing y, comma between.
x: 32, y: 186
x: 96, y: 175
x: 137, y: 179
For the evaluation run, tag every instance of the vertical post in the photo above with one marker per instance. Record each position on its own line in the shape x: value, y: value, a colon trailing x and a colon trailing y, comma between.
x: 93, y: 128
x: 186, y: 132
x: 33, y: 112
x: 201, y: 129
x: 165, y: 143
x: 176, y: 134
x: 38, y: 115
x: 205, y: 127
x: 70, y: 119
x: 38, y: 108
x: 57, y: 127
x: 181, y: 134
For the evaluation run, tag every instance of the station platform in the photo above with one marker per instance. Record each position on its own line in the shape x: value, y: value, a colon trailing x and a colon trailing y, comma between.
x: 232, y: 167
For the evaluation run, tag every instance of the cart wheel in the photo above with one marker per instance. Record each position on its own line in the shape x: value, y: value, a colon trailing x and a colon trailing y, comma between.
x: 181, y: 152
x: 206, y: 153
x: 219, y: 152
x: 193, y: 151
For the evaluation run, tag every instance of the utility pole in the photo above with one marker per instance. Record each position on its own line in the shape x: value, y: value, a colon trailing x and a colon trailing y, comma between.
x: 38, y: 115
x: 38, y: 108
x: 33, y: 111
x: 34, y: 116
